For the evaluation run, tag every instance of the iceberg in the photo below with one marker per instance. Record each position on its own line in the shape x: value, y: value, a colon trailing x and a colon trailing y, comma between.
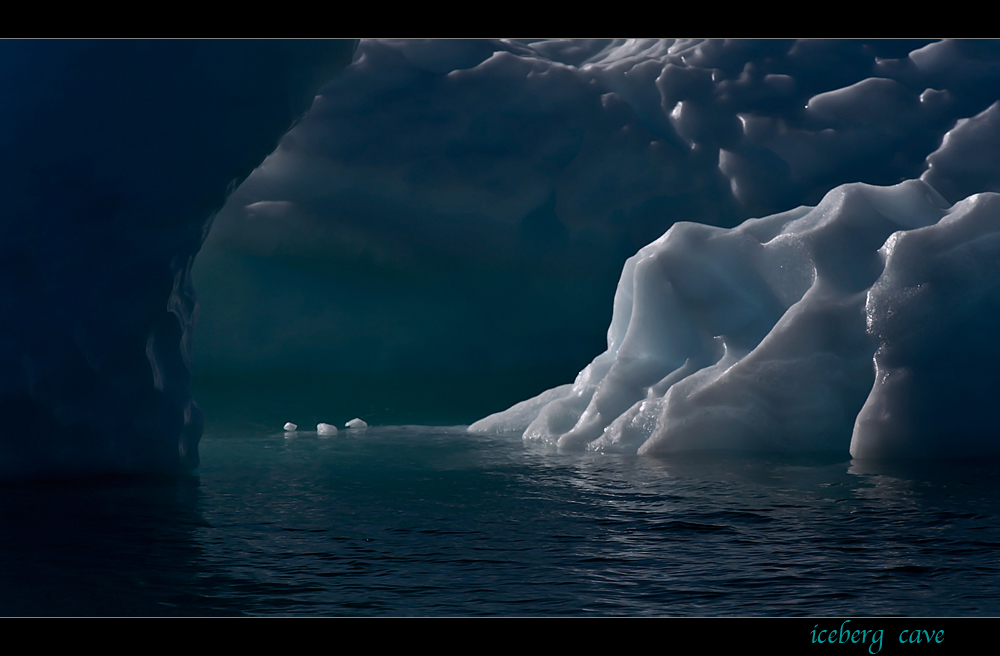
x: 865, y: 324
x: 461, y: 209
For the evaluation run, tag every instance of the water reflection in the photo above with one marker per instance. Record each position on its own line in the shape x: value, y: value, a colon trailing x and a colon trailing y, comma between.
x: 111, y: 546
x: 430, y: 521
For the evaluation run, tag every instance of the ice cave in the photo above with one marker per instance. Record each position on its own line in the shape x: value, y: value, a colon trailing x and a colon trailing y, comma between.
x: 795, y: 243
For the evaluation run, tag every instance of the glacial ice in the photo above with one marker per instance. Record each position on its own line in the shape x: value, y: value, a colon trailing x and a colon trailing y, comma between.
x: 763, y: 337
x: 460, y: 210
x: 357, y: 423
x: 441, y: 192
x: 290, y: 427
x: 326, y: 429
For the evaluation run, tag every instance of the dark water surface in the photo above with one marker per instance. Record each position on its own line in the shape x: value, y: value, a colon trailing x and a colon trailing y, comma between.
x: 432, y: 521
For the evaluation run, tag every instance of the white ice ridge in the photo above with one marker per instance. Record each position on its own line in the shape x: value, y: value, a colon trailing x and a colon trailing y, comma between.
x: 867, y: 323
x: 357, y: 423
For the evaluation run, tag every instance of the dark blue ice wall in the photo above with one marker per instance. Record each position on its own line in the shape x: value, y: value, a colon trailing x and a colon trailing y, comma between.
x: 115, y: 156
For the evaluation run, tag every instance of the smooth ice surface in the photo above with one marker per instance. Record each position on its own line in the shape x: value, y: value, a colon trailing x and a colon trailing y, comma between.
x: 762, y: 337
x: 291, y: 427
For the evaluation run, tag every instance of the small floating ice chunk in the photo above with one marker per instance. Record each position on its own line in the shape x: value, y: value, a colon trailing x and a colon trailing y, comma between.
x: 291, y: 427
x: 326, y: 429
x: 357, y: 423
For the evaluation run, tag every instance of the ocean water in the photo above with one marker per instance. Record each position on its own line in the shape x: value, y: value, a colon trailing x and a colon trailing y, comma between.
x: 431, y: 521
